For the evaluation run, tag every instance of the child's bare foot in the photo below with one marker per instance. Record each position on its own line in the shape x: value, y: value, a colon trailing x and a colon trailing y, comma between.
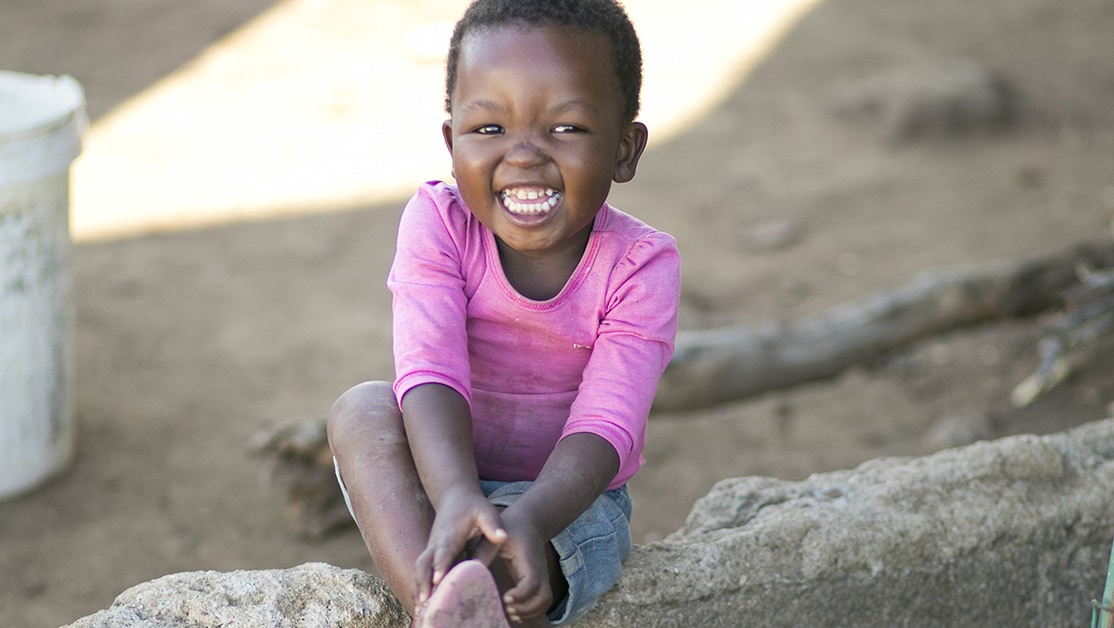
x: 465, y: 598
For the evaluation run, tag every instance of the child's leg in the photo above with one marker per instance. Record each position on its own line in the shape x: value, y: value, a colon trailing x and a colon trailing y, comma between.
x: 394, y: 515
x: 368, y: 440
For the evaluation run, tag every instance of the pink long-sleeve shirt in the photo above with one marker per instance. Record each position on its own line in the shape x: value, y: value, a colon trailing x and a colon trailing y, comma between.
x: 587, y: 360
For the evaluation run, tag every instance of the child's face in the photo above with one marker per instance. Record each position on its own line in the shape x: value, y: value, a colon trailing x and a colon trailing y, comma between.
x: 537, y: 134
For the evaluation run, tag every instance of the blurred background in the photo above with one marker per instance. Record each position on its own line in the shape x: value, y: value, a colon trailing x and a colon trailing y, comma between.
x: 210, y: 114
x: 234, y: 210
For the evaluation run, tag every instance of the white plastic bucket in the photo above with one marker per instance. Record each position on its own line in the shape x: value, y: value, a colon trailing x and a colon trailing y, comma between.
x: 42, y: 119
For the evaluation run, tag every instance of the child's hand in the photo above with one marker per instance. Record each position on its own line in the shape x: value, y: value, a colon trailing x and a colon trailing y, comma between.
x: 524, y: 552
x: 461, y: 517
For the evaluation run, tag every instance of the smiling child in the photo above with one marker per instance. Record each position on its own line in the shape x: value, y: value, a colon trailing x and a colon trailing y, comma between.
x: 532, y: 322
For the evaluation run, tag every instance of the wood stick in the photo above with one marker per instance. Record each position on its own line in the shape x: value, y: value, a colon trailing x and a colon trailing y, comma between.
x: 714, y: 366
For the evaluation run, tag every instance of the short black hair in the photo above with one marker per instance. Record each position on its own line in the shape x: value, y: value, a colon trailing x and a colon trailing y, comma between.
x: 595, y: 16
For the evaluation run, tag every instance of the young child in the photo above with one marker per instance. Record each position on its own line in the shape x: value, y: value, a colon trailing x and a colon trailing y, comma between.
x: 532, y: 322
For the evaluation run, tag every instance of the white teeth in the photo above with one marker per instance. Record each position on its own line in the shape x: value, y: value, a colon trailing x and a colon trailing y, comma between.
x: 530, y: 201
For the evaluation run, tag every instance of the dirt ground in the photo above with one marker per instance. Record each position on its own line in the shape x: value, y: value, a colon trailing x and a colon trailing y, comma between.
x: 188, y: 343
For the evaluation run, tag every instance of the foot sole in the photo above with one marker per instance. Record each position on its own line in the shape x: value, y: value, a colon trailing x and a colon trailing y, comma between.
x: 465, y: 598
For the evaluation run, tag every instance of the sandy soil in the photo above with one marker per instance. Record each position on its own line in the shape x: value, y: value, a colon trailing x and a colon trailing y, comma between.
x: 191, y: 342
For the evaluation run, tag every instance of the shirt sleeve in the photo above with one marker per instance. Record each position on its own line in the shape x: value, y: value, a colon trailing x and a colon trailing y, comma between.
x: 635, y: 342
x: 428, y: 304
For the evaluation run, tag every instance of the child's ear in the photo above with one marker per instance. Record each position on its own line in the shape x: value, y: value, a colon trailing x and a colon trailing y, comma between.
x: 631, y: 146
x: 447, y: 134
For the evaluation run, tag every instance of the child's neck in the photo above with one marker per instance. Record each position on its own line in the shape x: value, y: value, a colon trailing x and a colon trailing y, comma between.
x: 541, y: 277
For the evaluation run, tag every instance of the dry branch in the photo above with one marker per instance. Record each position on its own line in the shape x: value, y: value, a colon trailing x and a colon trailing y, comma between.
x: 719, y: 365
x: 1073, y: 335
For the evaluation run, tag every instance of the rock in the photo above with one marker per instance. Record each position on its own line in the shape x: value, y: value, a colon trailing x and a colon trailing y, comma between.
x: 940, y: 98
x: 314, y: 594
x: 1013, y: 532
x: 297, y: 460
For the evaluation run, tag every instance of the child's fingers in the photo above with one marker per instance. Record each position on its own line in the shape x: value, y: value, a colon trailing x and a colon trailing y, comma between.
x: 497, y: 536
x: 491, y: 526
x: 432, y: 565
x: 423, y: 584
x: 484, y: 551
x: 491, y: 536
x: 446, y: 544
x: 527, y: 600
x: 443, y: 560
x: 530, y: 596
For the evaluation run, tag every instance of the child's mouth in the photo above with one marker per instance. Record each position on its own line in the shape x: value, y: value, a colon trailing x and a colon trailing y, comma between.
x: 529, y: 201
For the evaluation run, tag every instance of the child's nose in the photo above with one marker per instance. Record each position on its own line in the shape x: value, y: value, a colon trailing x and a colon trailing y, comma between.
x: 525, y: 154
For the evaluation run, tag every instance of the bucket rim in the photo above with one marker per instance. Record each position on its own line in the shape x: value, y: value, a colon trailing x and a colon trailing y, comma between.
x: 64, y: 87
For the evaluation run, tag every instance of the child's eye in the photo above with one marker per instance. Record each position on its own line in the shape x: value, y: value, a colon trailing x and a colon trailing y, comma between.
x: 489, y: 129
x: 566, y: 128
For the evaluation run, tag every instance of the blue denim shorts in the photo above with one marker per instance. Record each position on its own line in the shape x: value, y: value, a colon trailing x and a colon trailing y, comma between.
x: 592, y: 549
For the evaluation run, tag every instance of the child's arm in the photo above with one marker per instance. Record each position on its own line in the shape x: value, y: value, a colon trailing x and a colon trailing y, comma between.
x: 439, y: 428
x: 575, y: 474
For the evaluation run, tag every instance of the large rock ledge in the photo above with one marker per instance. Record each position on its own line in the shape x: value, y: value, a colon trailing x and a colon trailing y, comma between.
x: 1014, y: 532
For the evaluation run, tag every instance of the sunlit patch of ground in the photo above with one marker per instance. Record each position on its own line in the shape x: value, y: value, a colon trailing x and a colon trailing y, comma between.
x: 326, y: 104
